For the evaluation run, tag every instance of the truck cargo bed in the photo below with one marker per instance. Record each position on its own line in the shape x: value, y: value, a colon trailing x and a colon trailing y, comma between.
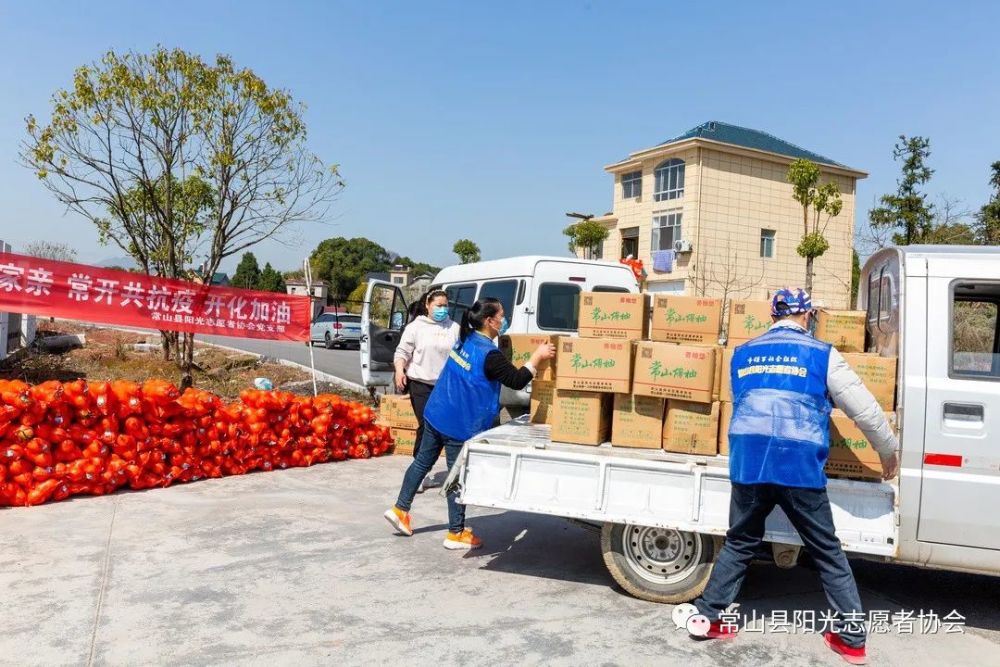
x: 517, y: 467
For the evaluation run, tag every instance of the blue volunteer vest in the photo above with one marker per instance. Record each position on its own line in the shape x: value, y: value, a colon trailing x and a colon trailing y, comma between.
x: 464, y: 402
x: 779, y: 433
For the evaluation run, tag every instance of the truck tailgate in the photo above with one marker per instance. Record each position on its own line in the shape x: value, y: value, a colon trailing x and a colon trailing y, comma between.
x: 517, y: 467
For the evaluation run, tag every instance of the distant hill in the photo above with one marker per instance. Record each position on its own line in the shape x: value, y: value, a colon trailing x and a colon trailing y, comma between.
x: 123, y: 262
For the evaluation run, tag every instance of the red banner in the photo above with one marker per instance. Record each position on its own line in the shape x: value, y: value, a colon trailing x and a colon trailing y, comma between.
x: 90, y: 293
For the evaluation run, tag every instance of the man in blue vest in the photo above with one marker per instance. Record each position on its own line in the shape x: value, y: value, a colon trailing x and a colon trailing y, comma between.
x: 783, y: 384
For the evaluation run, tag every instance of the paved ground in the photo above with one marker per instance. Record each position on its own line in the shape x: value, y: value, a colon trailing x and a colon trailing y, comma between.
x: 345, y: 364
x: 298, y: 567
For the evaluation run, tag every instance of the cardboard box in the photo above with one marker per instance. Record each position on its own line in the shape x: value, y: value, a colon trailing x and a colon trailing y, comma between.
x: 594, y: 364
x: 613, y: 315
x: 398, y: 411
x: 668, y: 370
x: 686, y: 319
x: 581, y: 417
x: 542, y: 394
x: 404, y: 440
x: 637, y: 421
x: 747, y: 319
x: 725, y: 416
x: 691, y: 428
x: 717, y: 382
x: 844, y: 329
x: 518, y: 349
x: 851, y: 455
x: 878, y: 374
x: 725, y: 375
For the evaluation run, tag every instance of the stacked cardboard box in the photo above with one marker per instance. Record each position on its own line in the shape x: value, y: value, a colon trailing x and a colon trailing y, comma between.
x: 686, y: 319
x: 613, y: 315
x: 844, y: 329
x: 637, y: 421
x: 518, y: 349
x: 691, y: 428
x: 396, y: 412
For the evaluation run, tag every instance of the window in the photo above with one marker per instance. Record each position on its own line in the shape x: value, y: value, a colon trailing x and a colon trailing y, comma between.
x: 505, y: 290
x: 669, y: 180
x: 460, y: 298
x: 974, y: 345
x: 349, y: 319
x: 666, y: 230
x: 630, y: 242
x: 557, y: 306
x: 398, y: 280
x: 767, y: 243
x: 873, y: 291
x: 632, y: 185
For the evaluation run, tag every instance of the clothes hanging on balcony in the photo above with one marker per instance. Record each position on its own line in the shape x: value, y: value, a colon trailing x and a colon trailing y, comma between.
x: 663, y: 261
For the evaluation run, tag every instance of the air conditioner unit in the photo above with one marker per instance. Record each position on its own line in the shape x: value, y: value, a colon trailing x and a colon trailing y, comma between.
x: 682, y: 245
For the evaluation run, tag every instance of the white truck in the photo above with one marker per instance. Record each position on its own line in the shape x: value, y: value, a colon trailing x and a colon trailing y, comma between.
x: 663, y: 516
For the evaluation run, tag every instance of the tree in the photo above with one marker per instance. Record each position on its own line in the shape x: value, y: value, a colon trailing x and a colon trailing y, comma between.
x: 586, y: 235
x: 734, y: 279
x: 855, y: 277
x: 344, y: 263
x: 988, y: 220
x: 356, y: 298
x: 907, y: 210
x: 417, y: 267
x: 467, y: 251
x: 59, y: 252
x: 247, y: 275
x: 173, y: 158
x: 270, y: 280
x: 816, y: 200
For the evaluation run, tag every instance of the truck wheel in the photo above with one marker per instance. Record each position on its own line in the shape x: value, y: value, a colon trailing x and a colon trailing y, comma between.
x: 658, y: 564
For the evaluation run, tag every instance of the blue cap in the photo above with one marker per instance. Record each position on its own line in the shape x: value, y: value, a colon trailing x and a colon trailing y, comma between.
x: 790, y: 301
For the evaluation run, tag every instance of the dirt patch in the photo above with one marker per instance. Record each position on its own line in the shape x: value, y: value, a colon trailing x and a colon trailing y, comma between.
x: 109, y: 354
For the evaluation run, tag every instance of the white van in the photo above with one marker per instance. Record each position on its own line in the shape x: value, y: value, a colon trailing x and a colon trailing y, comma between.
x: 539, y: 295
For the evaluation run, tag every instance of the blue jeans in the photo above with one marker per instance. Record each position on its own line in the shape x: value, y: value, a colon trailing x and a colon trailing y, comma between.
x: 428, y: 452
x: 809, y: 511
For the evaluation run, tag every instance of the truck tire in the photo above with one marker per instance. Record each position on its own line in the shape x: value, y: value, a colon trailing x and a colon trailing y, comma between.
x: 658, y: 564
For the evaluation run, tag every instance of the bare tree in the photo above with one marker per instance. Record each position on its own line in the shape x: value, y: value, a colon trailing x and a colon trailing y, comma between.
x: 727, y: 280
x: 179, y: 162
x: 53, y: 250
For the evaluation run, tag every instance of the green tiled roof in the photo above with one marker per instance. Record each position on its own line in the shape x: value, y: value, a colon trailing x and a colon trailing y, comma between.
x: 747, y: 138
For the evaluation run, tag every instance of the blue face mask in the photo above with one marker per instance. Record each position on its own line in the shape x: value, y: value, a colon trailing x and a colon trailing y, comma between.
x: 504, y: 325
x: 439, y: 313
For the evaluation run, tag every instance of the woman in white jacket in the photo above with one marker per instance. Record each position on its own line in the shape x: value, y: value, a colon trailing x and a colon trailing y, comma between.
x: 422, y: 351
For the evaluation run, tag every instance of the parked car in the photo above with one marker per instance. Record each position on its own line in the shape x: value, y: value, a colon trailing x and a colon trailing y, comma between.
x: 336, y: 330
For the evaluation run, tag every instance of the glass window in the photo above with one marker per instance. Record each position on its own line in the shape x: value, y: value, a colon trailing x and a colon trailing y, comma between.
x: 505, y: 290
x: 630, y: 242
x: 557, y: 306
x: 767, y: 243
x: 974, y: 351
x: 460, y: 299
x: 349, y: 319
x: 666, y: 230
x: 632, y: 185
x: 873, y: 291
x: 669, y: 180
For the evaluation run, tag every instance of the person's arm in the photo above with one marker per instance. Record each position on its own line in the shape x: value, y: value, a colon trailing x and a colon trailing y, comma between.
x: 403, y: 355
x: 851, y: 395
x: 499, y: 369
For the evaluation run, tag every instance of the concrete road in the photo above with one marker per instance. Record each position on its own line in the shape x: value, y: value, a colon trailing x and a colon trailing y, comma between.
x: 345, y: 364
x: 298, y: 567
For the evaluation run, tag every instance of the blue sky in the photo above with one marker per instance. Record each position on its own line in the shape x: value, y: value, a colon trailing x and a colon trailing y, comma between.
x: 491, y: 120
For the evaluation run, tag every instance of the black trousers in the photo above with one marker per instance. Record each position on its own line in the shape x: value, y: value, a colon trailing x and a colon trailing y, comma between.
x: 419, y: 393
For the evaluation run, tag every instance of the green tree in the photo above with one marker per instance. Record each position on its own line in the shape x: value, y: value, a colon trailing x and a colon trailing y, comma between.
x: 164, y: 153
x: 344, y: 263
x: 247, y: 275
x: 816, y: 201
x: 467, y: 251
x: 586, y: 235
x: 418, y: 267
x: 907, y: 210
x: 270, y: 280
x: 356, y: 298
x: 855, y: 276
x: 988, y: 220
x: 54, y: 250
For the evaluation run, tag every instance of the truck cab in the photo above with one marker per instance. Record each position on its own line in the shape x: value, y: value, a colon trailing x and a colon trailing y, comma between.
x: 539, y: 294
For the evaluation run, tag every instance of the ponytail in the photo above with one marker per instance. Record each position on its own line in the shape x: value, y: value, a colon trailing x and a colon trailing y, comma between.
x: 474, y: 318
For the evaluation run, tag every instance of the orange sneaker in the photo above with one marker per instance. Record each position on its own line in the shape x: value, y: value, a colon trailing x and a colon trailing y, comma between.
x: 463, y: 540
x: 399, y: 519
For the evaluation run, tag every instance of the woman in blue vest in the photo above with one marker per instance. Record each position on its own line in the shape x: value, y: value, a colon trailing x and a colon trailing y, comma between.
x: 465, y: 401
